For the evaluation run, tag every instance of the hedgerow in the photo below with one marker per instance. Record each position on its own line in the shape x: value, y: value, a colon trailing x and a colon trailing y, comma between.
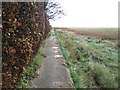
x: 25, y: 25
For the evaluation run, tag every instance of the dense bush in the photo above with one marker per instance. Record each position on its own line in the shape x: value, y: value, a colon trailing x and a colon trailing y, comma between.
x: 25, y: 25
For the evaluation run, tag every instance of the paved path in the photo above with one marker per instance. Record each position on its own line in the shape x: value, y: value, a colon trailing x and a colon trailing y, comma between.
x: 53, y: 72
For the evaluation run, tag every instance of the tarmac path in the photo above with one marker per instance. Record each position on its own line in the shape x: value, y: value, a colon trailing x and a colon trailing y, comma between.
x: 53, y: 72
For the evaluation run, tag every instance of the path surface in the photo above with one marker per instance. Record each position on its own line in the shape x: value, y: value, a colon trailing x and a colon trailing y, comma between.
x: 53, y: 72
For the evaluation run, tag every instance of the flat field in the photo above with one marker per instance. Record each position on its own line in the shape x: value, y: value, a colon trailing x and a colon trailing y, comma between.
x: 103, y: 33
x: 91, y: 55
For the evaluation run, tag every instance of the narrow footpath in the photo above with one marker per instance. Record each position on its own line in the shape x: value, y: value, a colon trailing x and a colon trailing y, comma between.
x: 53, y: 72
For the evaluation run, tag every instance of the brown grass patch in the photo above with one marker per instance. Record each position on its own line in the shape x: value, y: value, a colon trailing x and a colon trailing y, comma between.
x: 105, y: 35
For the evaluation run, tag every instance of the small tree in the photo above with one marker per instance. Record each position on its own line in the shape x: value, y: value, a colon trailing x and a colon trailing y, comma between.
x: 54, y: 10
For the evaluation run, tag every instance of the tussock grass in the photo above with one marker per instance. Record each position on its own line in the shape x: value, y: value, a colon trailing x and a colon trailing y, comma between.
x: 65, y: 47
x: 102, y: 76
x: 90, y: 66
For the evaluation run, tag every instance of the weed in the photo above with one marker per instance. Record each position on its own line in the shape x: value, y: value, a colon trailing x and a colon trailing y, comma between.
x: 90, y: 64
x: 66, y: 48
x: 102, y: 76
x: 76, y: 79
x: 31, y: 70
x: 48, y: 35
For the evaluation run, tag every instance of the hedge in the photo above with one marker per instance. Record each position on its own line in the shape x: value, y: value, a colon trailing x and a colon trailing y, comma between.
x: 25, y: 26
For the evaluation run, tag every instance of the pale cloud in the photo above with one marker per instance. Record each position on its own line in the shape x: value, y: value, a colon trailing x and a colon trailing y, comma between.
x: 89, y: 13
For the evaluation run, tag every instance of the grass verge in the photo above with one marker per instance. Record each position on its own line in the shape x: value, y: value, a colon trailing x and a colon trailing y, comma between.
x: 31, y: 70
x: 66, y: 54
x: 91, y: 64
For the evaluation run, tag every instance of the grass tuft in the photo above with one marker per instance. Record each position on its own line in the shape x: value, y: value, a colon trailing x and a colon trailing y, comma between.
x: 90, y: 64
x: 31, y: 70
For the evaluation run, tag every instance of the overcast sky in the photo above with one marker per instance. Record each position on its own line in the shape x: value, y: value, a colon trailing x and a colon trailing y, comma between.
x: 88, y: 13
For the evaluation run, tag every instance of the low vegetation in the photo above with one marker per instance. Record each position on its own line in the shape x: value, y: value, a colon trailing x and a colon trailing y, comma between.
x: 93, y: 62
x: 31, y: 70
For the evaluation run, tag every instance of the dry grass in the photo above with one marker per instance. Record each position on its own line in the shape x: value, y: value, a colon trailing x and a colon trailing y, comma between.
x: 86, y: 59
x: 104, y: 33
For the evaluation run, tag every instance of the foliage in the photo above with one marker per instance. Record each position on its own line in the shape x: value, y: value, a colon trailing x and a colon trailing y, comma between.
x: 66, y: 55
x: 103, y: 76
x: 88, y: 60
x: 25, y: 25
x: 31, y: 70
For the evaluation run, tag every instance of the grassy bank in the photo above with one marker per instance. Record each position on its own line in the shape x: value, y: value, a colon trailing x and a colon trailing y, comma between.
x: 25, y: 81
x: 93, y: 63
x: 31, y: 70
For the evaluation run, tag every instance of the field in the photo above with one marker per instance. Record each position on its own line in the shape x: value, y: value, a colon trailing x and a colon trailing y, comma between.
x: 102, y: 33
x: 91, y: 56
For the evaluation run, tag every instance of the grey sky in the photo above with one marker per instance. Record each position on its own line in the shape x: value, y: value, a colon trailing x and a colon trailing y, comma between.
x: 88, y: 13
